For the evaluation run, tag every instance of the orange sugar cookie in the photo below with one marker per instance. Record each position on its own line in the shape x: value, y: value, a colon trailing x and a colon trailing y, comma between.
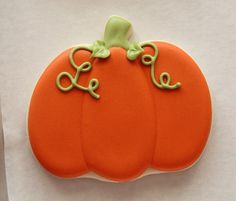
x: 119, y: 108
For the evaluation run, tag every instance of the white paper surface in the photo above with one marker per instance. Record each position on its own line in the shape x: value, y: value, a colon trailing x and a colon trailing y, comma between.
x: 34, y: 32
x: 3, y: 189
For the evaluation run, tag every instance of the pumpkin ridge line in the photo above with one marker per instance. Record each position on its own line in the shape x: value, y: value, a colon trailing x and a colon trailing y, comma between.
x: 155, y: 118
x: 81, y: 130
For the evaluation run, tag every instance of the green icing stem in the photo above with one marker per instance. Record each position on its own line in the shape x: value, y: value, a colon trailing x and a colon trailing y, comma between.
x: 116, y: 35
x: 117, y: 32
x: 84, y: 67
x: 148, y: 59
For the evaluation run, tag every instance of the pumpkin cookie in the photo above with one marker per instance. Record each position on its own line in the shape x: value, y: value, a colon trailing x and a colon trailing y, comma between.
x: 118, y: 108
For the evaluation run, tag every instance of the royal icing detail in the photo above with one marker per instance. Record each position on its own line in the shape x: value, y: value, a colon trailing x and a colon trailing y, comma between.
x: 84, y: 67
x: 147, y: 60
x: 116, y: 35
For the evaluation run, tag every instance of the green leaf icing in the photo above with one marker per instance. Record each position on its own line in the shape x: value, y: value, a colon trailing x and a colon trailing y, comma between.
x: 134, y: 51
x: 100, y: 50
x: 116, y: 34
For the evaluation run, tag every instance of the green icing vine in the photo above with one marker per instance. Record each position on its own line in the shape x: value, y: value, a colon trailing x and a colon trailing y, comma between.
x: 98, y: 50
x: 116, y: 35
x: 150, y: 60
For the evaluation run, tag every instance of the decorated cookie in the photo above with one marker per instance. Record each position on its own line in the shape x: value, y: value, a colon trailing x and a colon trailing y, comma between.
x: 118, y: 109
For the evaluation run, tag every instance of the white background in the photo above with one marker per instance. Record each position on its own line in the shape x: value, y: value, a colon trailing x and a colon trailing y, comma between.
x: 34, y: 32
